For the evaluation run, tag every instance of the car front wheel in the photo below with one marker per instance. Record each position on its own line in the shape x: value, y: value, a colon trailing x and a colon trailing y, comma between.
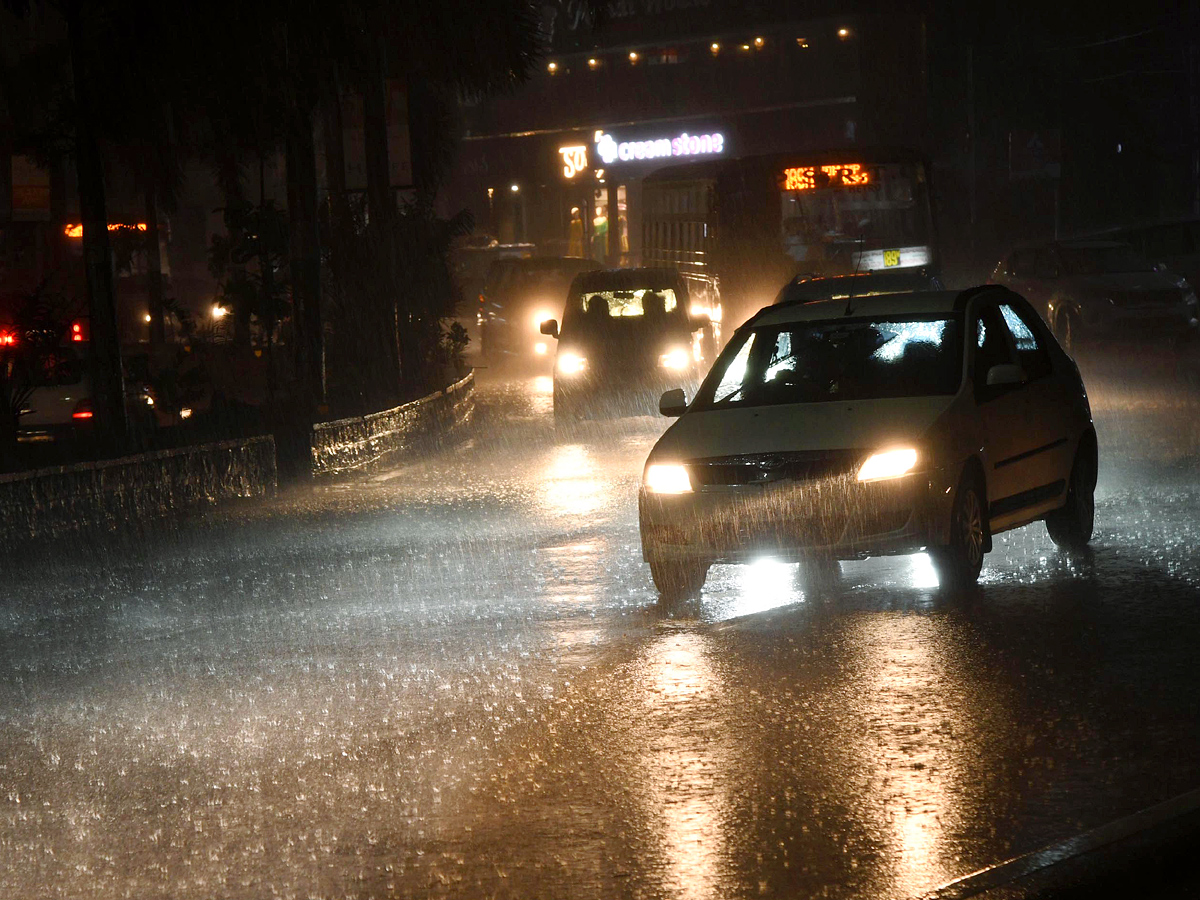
x: 678, y: 579
x: 1071, y: 526
x: 958, y: 563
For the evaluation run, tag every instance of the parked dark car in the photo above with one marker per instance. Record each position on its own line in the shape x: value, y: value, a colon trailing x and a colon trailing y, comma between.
x: 627, y: 335
x: 812, y: 288
x: 1093, y: 289
x: 1175, y: 244
x: 518, y: 295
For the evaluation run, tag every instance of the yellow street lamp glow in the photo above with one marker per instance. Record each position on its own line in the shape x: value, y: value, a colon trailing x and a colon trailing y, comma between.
x: 551, y: 67
x: 219, y: 312
x: 668, y: 479
x: 715, y: 48
x: 888, y: 464
x: 843, y: 33
x: 633, y: 56
x: 758, y: 42
x: 593, y: 62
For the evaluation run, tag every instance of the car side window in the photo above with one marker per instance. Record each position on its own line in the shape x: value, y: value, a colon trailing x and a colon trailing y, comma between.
x: 990, y: 344
x: 1032, y: 356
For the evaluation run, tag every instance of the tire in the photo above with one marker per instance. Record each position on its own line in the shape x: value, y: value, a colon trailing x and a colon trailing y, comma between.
x: 678, y: 579
x: 958, y: 563
x: 1071, y: 526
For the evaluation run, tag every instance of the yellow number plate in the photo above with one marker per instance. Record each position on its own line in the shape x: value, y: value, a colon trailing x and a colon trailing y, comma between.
x: 891, y: 258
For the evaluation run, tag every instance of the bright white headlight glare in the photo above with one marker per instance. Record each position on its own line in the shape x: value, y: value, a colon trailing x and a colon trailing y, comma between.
x: 675, y: 358
x: 571, y: 363
x: 668, y: 479
x: 888, y: 464
x: 542, y: 315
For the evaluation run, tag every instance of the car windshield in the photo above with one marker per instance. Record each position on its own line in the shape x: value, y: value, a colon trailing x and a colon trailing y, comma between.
x: 814, y: 362
x: 1103, y: 260
x: 642, y: 302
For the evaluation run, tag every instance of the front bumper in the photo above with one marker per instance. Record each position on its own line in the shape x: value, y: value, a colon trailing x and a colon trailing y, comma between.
x: 837, y: 517
x: 588, y: 395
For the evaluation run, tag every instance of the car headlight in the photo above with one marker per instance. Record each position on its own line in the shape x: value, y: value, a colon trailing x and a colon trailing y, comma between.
x: 541, y: 316
x: 571, y: 364
x: 675, y: 358
x: 888, y: 464
x: 668, y: 479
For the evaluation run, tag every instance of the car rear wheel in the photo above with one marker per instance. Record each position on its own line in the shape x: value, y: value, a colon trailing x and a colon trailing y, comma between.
x: 1071, y: 526
x: 678, y: 579
x: 958, y: 563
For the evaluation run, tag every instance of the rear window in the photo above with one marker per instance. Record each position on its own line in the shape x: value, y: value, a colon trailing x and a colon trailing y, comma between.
x: 1103, y: 260
x: 855, y: 359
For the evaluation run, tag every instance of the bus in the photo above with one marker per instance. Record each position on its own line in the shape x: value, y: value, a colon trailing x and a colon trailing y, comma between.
x: 738, y: 230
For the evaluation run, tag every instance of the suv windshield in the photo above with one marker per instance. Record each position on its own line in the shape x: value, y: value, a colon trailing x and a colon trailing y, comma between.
x: 1103, y: 260
x: 856, y: 359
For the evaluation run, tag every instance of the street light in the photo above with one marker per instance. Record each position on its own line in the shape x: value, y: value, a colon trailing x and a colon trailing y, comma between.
x: 551, y: 67
x: 758, y: 42
x: 514, y: 187
x: 715, y: 48
x: 633, y: 56
x: 843, y: 33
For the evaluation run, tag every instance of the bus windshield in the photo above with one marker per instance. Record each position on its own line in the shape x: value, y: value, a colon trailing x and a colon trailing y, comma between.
x: 832, y: 221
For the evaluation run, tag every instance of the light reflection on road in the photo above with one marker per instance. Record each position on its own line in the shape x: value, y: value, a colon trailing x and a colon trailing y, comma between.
x: 684, y: 766
x: 913, y: 749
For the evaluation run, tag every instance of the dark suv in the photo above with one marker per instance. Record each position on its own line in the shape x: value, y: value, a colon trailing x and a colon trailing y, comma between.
x: 1091, y: 289
x: 518, y: 295
x: 626, y: 336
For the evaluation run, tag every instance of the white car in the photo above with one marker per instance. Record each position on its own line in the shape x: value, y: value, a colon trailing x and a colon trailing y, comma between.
x: 877, y: 425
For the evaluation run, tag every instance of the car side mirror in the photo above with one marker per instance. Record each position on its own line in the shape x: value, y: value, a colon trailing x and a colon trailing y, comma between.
x: 550, y: 327
x: 673, y: 403
x: 1006, y: 374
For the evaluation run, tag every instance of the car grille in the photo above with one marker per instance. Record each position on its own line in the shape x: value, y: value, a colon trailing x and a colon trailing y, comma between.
x: 1162, y: 297
x: 767, y: 468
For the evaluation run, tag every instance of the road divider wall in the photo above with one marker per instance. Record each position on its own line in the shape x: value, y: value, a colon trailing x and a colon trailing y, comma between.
x: 360, y: 442
x: 114, y: 493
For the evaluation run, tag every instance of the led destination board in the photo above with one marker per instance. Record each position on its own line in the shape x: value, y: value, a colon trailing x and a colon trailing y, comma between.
x: 808, y: 178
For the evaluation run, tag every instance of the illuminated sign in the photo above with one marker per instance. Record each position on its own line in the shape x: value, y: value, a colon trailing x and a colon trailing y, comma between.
x: 610, y: 150
x: 574, y: 159
x: 76, y: 231
x: 807, y: 178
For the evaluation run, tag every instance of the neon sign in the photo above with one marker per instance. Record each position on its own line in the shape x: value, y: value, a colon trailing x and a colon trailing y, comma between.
x: 611, y: 151
x: 574, y: 159
x: 805, y: 178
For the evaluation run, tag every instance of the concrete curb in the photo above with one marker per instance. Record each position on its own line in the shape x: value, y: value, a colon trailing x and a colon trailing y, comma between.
x: 1035, y: 867
x: 114, y: 492
x: 360, y: 443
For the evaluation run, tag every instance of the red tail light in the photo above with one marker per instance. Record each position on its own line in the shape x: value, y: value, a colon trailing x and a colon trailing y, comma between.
x: 80, y: 331
x: 8, y: 338
x: 83, y: 410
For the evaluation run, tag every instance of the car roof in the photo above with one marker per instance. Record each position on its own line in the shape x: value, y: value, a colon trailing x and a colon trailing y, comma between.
x: 876, y: 306
x: 817, y: 287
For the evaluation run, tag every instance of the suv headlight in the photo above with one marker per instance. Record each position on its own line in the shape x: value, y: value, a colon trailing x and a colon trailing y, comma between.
x: 675, y: 358
x: 571, y: 363
x: 668, y: 479
x: 888, y: 464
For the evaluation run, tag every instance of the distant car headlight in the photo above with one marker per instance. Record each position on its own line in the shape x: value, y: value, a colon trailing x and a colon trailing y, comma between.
x: 571, y: 364
x: 541, y: 316
x: 668, y: 479
x: 888, y: 464
x: 675, y: 358
x: 540, y: 348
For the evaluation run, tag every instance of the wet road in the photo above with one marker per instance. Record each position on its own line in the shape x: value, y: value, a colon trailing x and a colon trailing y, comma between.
x: 452, y: 679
